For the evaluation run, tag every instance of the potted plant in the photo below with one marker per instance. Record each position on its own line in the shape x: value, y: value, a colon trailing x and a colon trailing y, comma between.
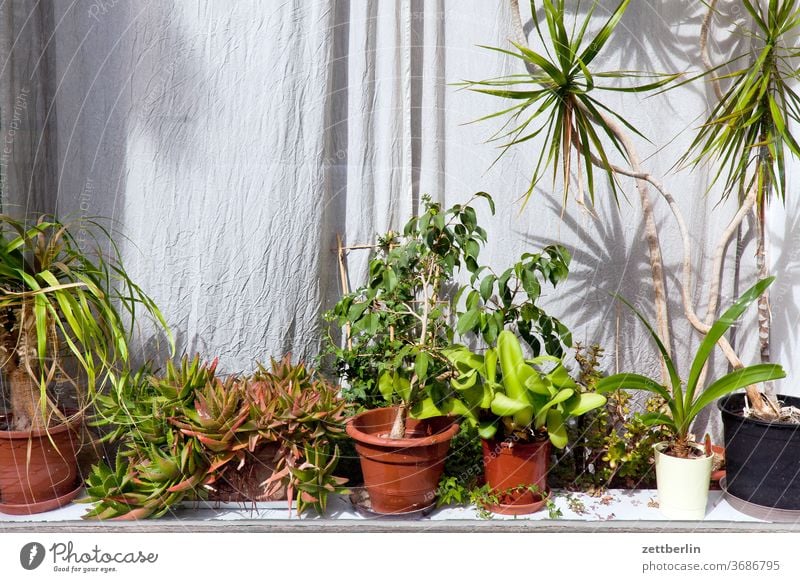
x: 683, y: 466
x: 65, y: 316
x: 747, y: 140
x: 521, y: 407
x: 397, y: 326
x: 191, y: 435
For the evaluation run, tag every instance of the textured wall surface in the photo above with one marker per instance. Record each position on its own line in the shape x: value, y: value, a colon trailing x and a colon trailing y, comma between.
x: 232, y: 141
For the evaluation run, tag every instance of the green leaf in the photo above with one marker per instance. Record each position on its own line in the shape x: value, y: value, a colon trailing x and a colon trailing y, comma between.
x: 487, y: 287
x: 468, y: 321
x: 656, y: 419
x: 733, y: 381
x: 718, y: 330
x: 487, y: 429
x: 631, y: 381
x: 583, y: 403
x: 425, y: 409
x: 556, y: 429
x: 386, y: 385
x: 502, y: 405
x: 421, y: 366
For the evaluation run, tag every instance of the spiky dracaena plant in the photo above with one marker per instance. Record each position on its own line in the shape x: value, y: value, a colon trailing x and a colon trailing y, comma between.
x: 61, y: 303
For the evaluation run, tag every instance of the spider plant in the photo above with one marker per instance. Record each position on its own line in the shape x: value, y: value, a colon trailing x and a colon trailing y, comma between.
x: 62, y: 309
x: 684, y: 401
x: 558, y: 96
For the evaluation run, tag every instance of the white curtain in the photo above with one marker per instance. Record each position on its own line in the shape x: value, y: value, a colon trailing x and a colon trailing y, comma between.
x: 232, y: 141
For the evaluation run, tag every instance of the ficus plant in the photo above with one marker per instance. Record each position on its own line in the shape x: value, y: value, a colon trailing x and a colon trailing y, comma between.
x: 685, y: 400
x: 398, y: 325
x: 511, y: 397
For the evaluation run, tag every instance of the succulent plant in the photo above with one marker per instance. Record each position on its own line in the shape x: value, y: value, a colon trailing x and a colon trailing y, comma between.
x: 183, y: 434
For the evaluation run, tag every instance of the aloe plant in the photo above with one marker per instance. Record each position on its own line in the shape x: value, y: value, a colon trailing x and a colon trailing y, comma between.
x: 684, y: 401
x: 187, y: 433
x: 504, y: 393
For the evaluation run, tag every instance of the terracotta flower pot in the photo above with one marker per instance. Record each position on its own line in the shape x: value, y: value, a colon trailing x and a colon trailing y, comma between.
x: 401, y: 475
x: 509, y: 464
x: 38, y: 469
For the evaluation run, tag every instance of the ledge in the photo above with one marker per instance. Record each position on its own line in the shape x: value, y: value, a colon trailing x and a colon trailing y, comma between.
x: 616, y: 511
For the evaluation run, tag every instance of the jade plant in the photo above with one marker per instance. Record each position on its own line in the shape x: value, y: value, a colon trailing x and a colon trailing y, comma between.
x: 189, y: 435
x: 509, y: 397
x: 67, y: 309
x: 685, y: 400
x: 610, y: 446
x: 398, y: 325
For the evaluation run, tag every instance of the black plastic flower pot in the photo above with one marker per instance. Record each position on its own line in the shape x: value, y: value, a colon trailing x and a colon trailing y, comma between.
x: 762, y: 458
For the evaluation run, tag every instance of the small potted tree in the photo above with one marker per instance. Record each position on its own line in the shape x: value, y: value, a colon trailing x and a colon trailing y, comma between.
x: 683, y: 466
x: 520, y: 408
x: 65, y: 316
x: 397, y: 326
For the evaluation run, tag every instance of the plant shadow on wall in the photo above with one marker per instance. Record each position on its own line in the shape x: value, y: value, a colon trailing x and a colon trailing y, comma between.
x: 137, y: 91
x: 602, y: 261
x: 664, y: 46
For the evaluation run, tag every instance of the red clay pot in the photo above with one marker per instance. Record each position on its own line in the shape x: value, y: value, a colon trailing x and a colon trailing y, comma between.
x: 34, y: 472
x: 719, y: 451
x: 401, y: 475
x: 509, y: 464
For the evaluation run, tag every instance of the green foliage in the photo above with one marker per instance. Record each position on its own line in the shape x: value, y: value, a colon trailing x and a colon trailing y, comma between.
x: 749, y: 131
x: 502, y: 390
x: 509, y: 299
x: 685, y: 403
x: 485, y: 497
x: 60, y: 302
x: 398, y: 325
x: 557, y: 97
x: 612, y: 447
x: 463, y: 468
x: 183, y: 433
x: 399, y: 320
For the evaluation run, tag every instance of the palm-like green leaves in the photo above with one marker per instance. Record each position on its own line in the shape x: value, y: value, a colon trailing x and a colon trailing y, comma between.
x: 747, y: 134
x: 686, y: 402
x: 59, y: 300
x: 556, y: 99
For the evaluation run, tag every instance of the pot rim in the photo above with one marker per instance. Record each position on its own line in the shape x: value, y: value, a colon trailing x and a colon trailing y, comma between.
x: 663, y: 444
x: 777, y: 425
x: 72, y: 424
x: 506, y: 445
x: 404, y: 443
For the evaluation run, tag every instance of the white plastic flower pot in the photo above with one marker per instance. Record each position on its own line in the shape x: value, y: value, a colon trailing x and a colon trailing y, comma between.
x: 682, y: 484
